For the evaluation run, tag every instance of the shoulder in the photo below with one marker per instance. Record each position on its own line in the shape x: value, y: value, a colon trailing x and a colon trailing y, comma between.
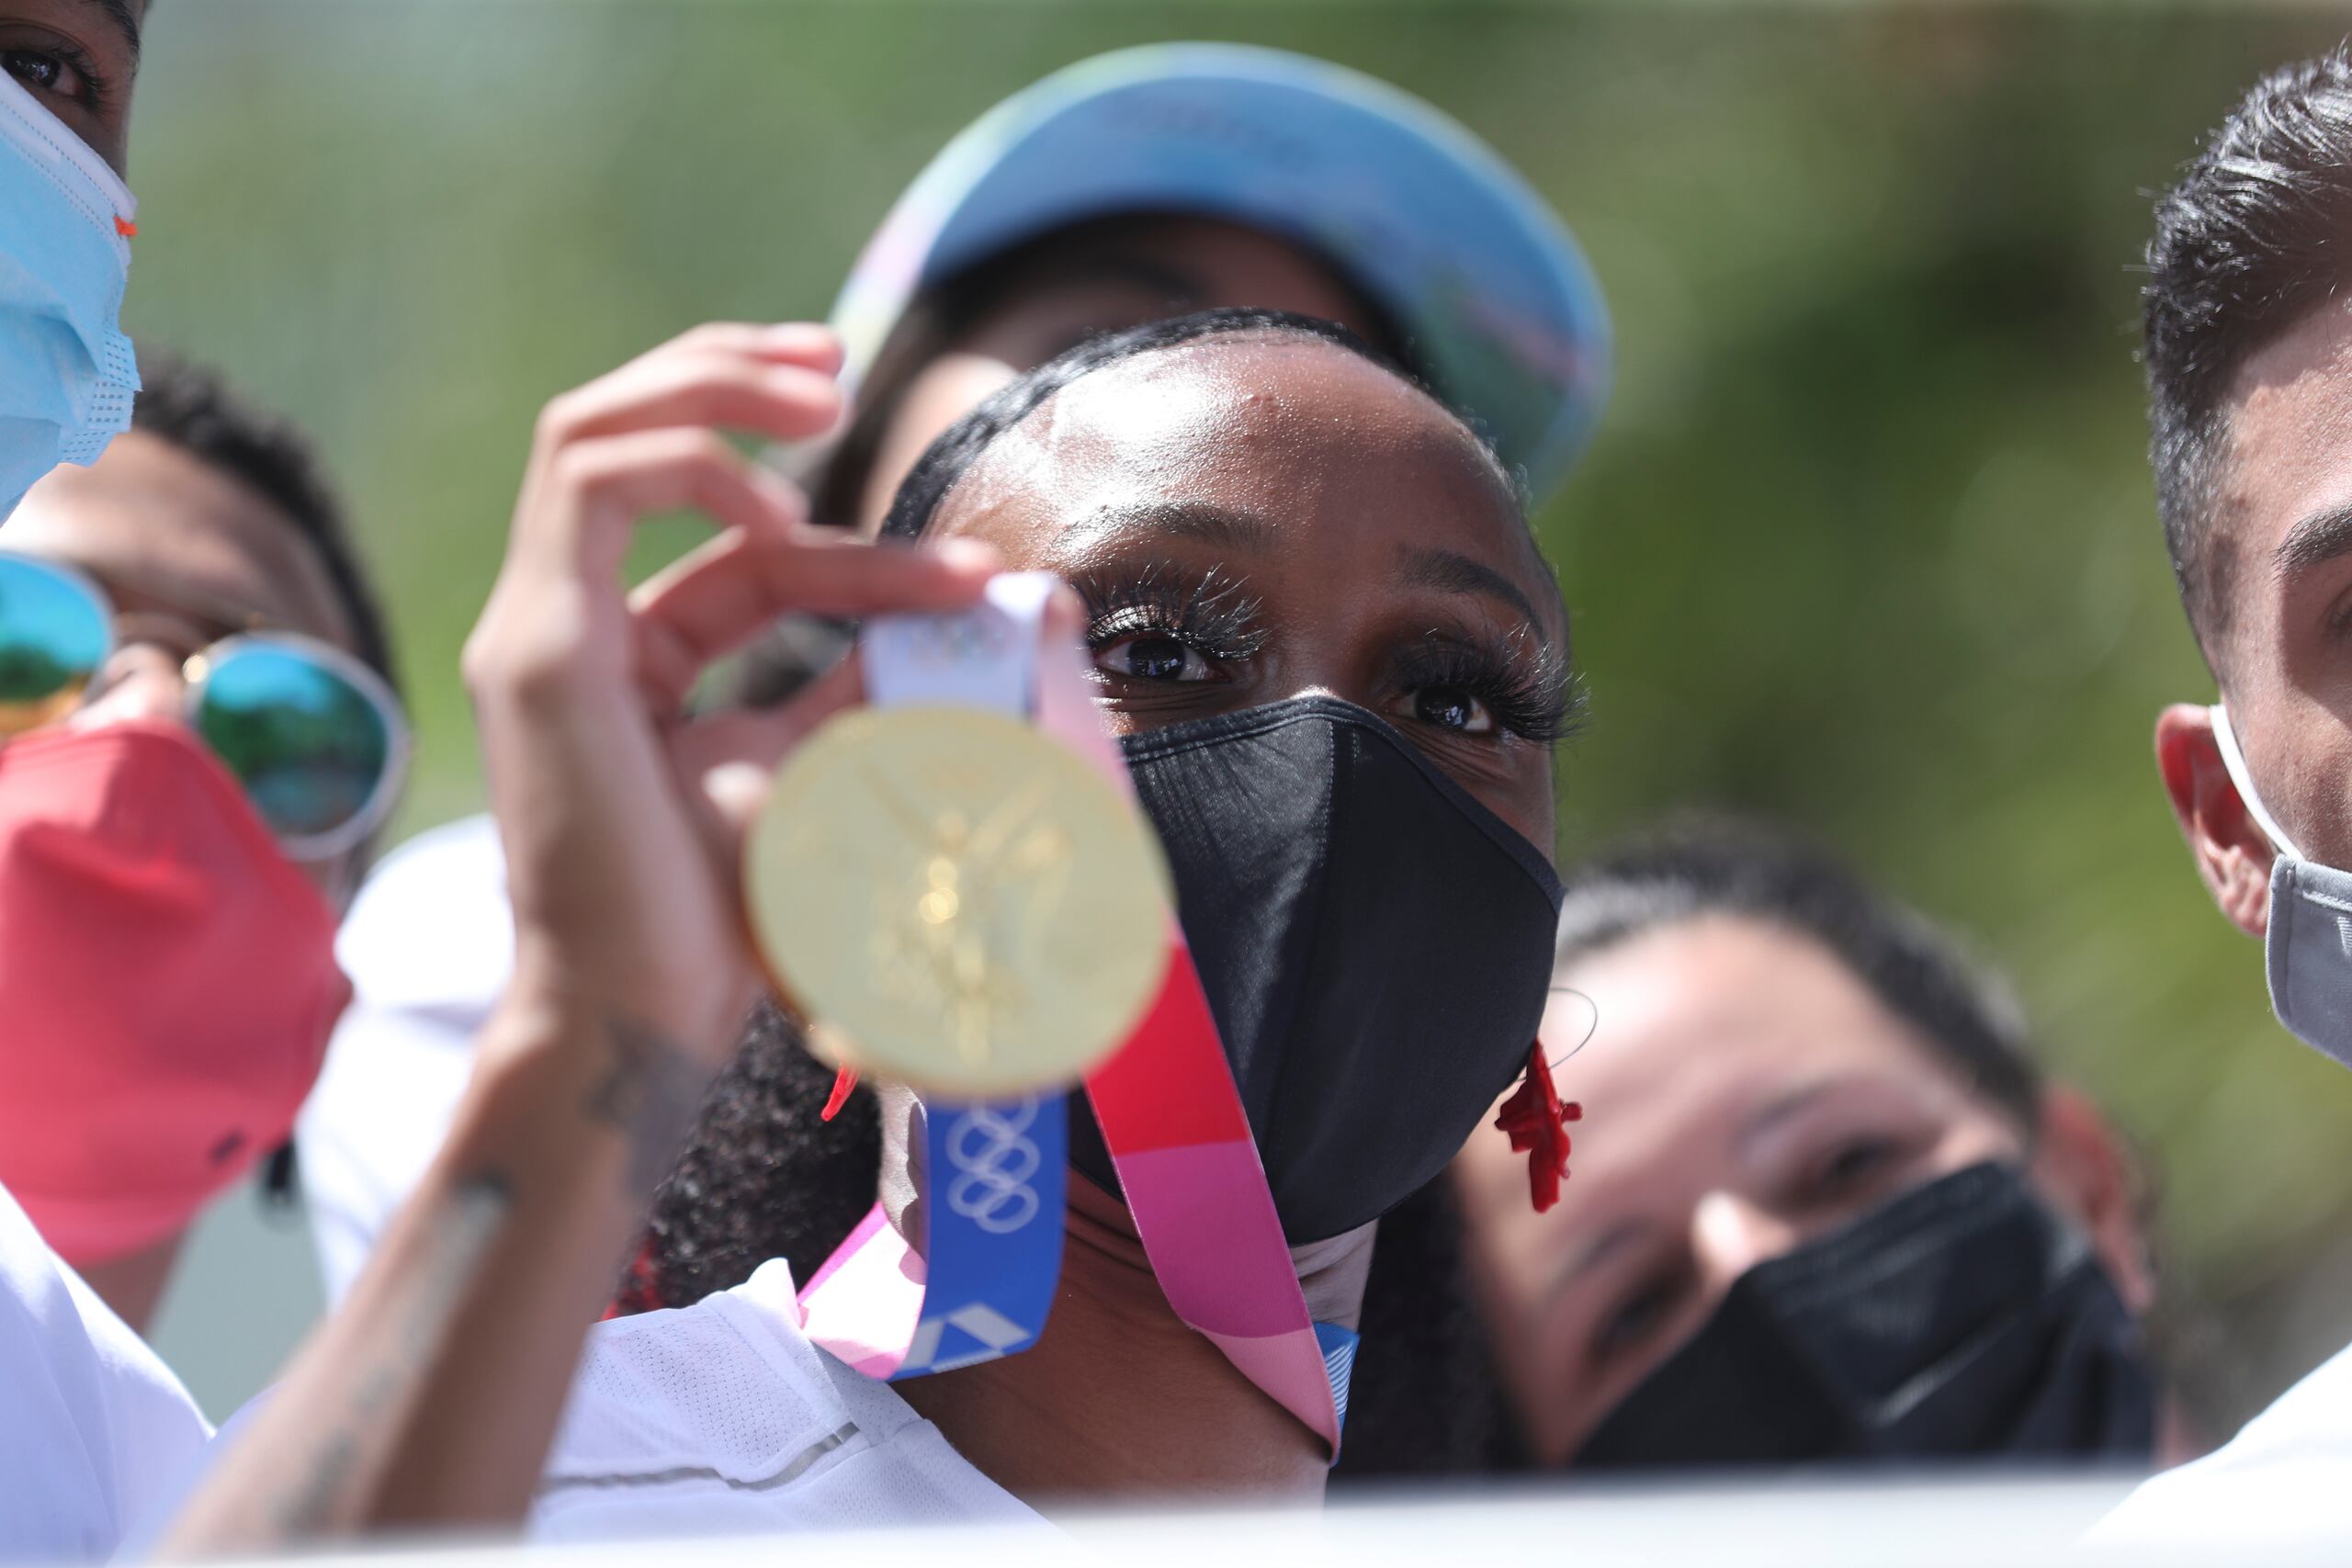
x: 96, y: 1422
x: 2277, y: 1481
x: 722, y: 1417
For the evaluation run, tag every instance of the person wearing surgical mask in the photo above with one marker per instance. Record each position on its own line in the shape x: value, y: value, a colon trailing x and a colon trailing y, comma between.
x: 1823, y: 1209
x: 199, y: 738
x: 2246, y: 339
x: 196, y: 696
x: 67, y: 372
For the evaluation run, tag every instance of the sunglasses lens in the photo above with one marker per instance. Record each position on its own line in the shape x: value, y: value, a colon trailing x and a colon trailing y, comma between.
x: 308, y: 745
x: 53, y: 636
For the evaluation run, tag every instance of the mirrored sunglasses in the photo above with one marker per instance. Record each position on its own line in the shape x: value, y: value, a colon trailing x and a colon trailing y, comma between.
x: 317, y: 739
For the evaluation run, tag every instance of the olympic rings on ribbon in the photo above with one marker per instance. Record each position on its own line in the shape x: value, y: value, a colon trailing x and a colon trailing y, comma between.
x: 990, y: 1187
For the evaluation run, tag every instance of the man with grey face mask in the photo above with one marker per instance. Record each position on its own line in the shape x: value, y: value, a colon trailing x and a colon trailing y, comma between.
x: 2248, y: 345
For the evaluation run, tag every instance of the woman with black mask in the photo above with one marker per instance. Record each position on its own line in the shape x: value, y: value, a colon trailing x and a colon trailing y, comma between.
x: 1321, y: 635
x: 1825, y: 1209
x: 1127, y: 188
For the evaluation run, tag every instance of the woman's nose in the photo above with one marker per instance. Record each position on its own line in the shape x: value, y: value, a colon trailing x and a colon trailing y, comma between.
x: 143, y: 681
x: 1730, y: 1234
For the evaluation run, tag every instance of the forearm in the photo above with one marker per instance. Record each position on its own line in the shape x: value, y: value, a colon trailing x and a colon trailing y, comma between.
x: 430, y: 1398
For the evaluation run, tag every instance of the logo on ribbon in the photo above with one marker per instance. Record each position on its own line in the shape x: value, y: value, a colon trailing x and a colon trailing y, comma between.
x: 994, y: 1160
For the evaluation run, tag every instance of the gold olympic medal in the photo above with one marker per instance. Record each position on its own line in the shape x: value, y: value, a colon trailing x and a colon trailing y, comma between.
x: 956, y: 901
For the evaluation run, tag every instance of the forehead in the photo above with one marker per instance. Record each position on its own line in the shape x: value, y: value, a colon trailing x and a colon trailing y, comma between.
x: 150, y: 516
x: 2289, y: 449
x: 1734, y: 1004
x: 1299, y: 429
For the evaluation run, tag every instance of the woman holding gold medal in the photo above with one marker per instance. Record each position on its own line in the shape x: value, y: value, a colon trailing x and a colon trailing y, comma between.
x: 1333, y: 662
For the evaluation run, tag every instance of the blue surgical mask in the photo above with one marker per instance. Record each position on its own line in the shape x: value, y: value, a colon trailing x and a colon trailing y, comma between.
x: 67, y: 373
x: 2308, y: 947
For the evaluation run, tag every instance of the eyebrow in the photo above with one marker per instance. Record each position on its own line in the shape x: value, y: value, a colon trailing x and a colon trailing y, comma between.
x: 125, y: 19
x: 1781, y: 1109
x: 1223, y: 527
x: 1449, y: 571
x: 221, y: 614
x: 1596, y: 1252
x: 2313, y: 542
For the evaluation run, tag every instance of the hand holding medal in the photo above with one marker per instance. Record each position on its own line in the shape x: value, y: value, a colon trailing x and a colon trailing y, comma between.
x: 621, y: 860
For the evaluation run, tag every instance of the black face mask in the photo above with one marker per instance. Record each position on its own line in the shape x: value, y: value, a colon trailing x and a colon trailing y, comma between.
x: 1961, y: 1319
x: 1375, y: 946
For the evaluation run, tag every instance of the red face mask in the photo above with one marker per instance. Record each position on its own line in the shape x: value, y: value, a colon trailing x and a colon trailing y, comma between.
x: 167, y: 982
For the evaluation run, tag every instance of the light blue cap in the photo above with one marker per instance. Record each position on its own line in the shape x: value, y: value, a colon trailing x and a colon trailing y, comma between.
x: 1499, y: 307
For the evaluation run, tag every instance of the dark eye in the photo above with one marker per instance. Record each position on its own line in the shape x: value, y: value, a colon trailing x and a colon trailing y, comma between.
x: 1453, y: 708
x: 1853, y: 1167
x: 1153, y: 656
x: 1634, y: 1320
x: 47, y: 72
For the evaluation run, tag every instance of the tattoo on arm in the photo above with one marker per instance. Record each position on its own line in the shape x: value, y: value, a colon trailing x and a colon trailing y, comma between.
x: 650, y: 1092
x: 319, y: 1498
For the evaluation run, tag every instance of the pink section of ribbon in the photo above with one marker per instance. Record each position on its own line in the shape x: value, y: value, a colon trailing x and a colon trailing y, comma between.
x: 864, y: 1304
x: 1289, y: 1368
x: 1194, y: 1195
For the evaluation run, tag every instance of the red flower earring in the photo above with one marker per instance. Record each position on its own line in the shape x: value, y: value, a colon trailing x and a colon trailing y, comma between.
x: 1537, y: 1120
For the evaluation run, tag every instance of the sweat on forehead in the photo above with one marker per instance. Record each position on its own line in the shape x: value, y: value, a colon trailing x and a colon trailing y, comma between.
x: 1213, y: 391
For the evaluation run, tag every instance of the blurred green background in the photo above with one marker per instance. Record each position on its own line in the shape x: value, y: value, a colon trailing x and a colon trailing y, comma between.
x: 1865, y: 541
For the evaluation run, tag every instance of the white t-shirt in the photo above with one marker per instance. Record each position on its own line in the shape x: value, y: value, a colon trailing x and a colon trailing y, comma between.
x: 2279, y: 1484
x: 428, y: 944
x: 96, y: 1433
x: 721, y: 1418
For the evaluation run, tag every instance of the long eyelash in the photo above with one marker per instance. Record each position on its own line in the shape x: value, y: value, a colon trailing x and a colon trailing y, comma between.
x: 1213, y: 612
x: 99, y: 90
x: 98, y: 94
x: 1529, y: 691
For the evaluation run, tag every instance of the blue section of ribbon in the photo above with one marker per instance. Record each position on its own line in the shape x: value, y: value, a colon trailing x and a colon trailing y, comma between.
x: 993, y: 1229
x: 1339, y: 1346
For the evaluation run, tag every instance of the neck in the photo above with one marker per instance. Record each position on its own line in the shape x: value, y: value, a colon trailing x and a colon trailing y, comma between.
x: 1119, y: 1398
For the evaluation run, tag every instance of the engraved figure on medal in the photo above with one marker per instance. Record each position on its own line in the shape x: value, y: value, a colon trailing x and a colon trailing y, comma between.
x: 956, y: 901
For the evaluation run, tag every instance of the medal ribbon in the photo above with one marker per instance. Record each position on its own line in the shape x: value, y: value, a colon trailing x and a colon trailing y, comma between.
x: 1170, y: 1116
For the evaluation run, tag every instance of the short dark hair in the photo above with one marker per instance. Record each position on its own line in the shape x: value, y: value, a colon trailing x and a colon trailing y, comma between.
x: 915, y: 506
x: 194, y: 409
x: 2248, y: 243
x: 1915, y: 970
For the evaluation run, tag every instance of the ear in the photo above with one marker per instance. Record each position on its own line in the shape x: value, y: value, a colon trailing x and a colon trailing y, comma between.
x: 2232, y: 853
x: 2081, y: 1164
